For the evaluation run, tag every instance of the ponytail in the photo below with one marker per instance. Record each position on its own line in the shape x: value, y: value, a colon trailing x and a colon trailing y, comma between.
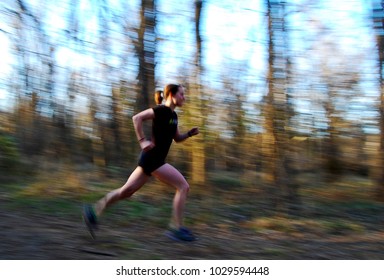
x: 170, y: 89
x: 159, y: 97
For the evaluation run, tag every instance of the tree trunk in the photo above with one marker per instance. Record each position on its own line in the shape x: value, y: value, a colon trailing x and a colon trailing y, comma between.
x: 268, y: 137
x: 198, y: 152
x: 146, y: 49
x: 380, y: 175
x: 276, y: 111
x: 378, y: 21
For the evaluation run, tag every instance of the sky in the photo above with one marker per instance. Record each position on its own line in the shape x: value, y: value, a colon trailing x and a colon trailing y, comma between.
x: 233, y: 35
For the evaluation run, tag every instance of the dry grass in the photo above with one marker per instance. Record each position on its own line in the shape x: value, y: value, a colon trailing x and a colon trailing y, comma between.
x: 60, y: 183
x: 336, y: 220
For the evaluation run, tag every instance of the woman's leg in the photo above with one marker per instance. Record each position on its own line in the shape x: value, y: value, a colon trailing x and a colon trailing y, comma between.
x: 135, y: 181
x: 171, y: 176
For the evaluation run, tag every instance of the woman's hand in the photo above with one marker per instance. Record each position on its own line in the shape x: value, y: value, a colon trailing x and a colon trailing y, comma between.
x: 193, y: 131
x: 146, y: 145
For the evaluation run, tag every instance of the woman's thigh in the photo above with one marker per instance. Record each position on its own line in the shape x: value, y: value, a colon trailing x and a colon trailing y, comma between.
x: 170, y: 176
x: 135, y: 181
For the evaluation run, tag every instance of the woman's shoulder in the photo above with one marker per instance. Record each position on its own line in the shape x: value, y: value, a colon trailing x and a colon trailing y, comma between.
x: 159, y: 107
x: 160, y: 110
x: 164, y: 111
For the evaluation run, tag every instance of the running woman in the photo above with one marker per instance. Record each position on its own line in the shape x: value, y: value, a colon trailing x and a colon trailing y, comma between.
x: 152, y: 162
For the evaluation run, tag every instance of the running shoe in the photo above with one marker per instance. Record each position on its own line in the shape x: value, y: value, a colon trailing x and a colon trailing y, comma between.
x: 181, y: 234
x: 90, y: 219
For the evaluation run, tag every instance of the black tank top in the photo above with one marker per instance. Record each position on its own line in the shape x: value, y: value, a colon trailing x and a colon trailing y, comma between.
x: 164, y: 127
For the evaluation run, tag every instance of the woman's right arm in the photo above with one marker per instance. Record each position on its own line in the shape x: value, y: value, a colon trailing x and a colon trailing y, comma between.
x: 138, y: 124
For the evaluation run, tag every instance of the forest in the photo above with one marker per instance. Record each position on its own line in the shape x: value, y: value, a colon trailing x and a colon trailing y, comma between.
x: 288, y: 97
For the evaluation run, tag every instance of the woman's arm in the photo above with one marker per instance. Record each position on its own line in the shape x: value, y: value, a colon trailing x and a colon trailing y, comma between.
x: 138, y: 125
x: 181, y: 137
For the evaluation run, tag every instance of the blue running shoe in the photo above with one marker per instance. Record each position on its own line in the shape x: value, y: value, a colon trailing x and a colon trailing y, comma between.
x: 90, y: 219
x: 181, y: 234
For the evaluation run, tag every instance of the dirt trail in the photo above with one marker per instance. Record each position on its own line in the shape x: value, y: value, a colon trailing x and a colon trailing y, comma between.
x: 30, y: 235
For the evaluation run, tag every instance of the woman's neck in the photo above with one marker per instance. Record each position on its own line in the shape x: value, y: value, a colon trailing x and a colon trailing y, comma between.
x: 170, y: 104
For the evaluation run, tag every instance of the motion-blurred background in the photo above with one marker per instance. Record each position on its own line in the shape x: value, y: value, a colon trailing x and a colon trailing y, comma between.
x: 288, y: 96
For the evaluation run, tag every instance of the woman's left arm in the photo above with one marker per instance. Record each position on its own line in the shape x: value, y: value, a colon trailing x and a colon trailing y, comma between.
x: 179, y: 137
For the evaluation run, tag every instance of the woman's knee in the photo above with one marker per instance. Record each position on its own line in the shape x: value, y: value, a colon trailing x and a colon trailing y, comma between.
x: 184, y: 187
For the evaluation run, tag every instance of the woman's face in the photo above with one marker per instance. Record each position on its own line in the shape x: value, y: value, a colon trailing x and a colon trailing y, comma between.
x: 178, y: 98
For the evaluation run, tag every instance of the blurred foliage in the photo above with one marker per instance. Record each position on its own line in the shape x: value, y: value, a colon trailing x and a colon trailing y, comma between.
x: 9, y: 155
x: 226, y: 181
x: 297, y: 226
x: 302, y: 110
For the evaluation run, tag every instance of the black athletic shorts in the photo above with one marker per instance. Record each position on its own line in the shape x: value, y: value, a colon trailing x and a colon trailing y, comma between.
x: 151, y: 160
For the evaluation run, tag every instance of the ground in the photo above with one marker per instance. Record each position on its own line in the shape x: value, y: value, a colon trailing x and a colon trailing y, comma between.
x: 29, y: 231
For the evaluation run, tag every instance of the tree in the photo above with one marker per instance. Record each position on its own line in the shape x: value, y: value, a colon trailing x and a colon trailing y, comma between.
x: 146, y: 49
x: 36, y: 69
x: 277, y: 111
x: 378, y: 20
x: 197, y: 105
